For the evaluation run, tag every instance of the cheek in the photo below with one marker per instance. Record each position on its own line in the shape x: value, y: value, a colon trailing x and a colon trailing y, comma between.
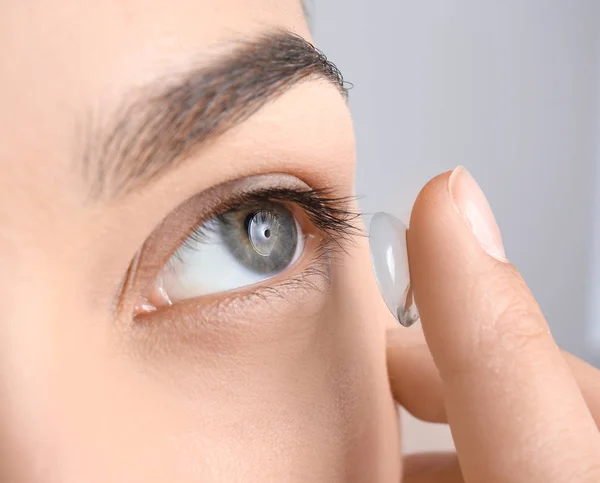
x: 295, y: 386
x: 292, y: 387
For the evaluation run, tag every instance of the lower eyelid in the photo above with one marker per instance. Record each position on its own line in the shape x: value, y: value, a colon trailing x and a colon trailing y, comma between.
x: 204, y: 331
x: 262, y: 313
x: 310, y: 273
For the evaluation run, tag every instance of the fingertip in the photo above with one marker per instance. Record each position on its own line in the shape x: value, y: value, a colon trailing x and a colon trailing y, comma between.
x: 438, y: 244
x: 433, y: 196
x: 434, y: 230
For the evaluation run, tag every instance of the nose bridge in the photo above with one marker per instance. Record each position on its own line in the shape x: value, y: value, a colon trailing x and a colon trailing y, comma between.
x: 27, y: 374
x: 42, y: 364
x: 66, y: 414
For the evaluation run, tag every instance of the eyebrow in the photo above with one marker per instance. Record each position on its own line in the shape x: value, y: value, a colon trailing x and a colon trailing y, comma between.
x: 163, y: 123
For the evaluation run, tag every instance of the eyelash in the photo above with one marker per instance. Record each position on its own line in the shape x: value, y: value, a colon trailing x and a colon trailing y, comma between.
x: 328, y: 213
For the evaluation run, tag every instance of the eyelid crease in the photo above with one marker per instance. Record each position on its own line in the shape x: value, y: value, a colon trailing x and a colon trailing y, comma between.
x: 328, y: 213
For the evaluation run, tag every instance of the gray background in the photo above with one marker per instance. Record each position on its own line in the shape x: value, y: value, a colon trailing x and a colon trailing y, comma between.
x: 507, y: 88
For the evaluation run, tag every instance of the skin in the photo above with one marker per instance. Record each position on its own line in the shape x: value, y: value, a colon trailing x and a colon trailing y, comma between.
x: 519, y: 408
x: 293, y: 389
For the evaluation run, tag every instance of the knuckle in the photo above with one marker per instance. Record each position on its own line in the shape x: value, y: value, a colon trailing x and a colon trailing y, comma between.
x: 518, y: 328
x: 516, y: 322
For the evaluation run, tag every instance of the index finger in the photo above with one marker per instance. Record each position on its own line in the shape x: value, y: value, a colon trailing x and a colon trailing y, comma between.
x: 515, y: 410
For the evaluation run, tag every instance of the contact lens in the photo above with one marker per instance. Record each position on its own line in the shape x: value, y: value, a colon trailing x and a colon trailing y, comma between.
x: 389, y: 257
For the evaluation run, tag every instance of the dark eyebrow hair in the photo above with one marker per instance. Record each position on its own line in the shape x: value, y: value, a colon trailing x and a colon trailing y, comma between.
x: 166, y: 121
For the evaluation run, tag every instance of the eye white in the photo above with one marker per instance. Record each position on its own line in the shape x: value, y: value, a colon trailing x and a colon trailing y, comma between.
x: 207, y: 266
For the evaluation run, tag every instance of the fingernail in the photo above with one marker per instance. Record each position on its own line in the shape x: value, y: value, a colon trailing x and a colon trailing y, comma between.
x: 389, y: 257
x: 472, y: 205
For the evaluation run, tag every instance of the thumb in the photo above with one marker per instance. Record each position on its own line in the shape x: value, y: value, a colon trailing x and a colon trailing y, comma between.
x: 506, y: 384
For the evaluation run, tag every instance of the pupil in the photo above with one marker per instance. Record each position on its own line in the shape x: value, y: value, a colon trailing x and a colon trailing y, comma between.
x: 267, y: 233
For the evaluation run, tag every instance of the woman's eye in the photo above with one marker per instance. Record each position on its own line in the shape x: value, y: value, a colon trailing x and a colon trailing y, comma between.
x: 238, y: 248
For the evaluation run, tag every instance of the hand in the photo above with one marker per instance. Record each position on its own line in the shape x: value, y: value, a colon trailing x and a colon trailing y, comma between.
x: 519, y: 408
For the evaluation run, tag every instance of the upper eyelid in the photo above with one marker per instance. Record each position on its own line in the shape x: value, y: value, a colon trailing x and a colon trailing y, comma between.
x: 328, y: 210
x: 329, y: 214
